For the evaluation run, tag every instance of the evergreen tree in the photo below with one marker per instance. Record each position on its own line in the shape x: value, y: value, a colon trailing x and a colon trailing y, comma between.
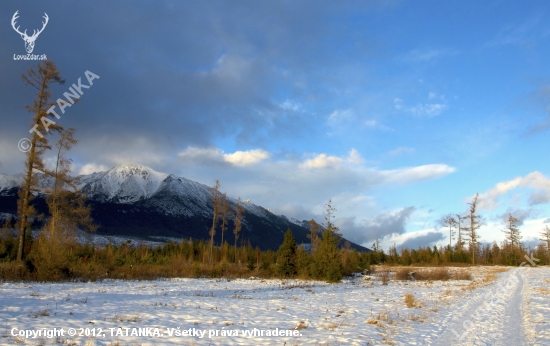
x: 286, y: 256
x: 329, y: 215
x: 327, y: 260
x: 314, y: 235
x: 513, y: 236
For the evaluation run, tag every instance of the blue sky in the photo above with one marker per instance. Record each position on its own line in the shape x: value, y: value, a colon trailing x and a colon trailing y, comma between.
x: 398, y: 111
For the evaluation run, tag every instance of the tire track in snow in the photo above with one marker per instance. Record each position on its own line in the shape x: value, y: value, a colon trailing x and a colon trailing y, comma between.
x: 491, y: 316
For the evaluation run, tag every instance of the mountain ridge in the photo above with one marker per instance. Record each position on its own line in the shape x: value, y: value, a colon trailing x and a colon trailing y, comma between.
x: 135, y: 200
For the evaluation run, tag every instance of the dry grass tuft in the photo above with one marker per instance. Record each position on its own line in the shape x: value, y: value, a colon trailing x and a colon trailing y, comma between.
x: 543, y: 290
x: 410, y: 300
x: 45, y: 312
x: 423, y: 274
x: 489, y: 277
x: 417, y: 318
x: 330, y: 326
x: 301, y: 325
x: 126, y: 318
x: 462, y: 275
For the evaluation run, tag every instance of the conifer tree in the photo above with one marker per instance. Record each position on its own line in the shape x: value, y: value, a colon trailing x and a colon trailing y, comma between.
x: 327, y: 259
x: 513, y: 236
x: 286, y: 256
x: 314, y: 228
x: 40, y: 79
x: 329, y: 215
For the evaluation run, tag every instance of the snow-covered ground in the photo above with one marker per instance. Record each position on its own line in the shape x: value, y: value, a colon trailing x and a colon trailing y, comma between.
x: 511, y: 310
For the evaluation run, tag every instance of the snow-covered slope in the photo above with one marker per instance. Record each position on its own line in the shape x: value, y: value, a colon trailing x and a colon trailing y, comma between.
x: 122, y: 184
x: 128, y: 184
x: 164, y: 192
x: 8, y: 181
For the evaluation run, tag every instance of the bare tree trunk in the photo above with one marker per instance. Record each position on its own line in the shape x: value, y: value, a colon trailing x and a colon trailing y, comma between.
x: 46, y: 73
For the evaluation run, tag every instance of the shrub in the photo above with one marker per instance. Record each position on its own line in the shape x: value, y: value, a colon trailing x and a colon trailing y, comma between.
x: 383, y: 274
x: 409, y: 300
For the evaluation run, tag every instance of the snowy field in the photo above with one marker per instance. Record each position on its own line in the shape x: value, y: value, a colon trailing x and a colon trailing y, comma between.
x: 514, y: 309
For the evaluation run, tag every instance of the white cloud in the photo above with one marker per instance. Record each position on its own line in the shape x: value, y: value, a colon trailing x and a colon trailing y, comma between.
x: 534, y: 180
x: 402, y: 151
x: 90, y: 168
x: 339, y: 117
x: 290, y: 106
x: 354, y: 157
x: 194, y: 154
x: 424, y: 240
x: 373, y: 124
x: 425, y: 55
x: 428, y: 109
x: 300, y: 186
x: 370, y: 123
x: 245, y: 158
x: 322, y: 161
x: 415, y: 174
x: 422, y: 109
x: 517, y: 34
x: 398, y: 103
x: 325, y: 161
x: 214, y: 155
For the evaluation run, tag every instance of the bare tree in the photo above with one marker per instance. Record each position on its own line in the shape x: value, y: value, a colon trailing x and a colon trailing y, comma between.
x: 314, y: 228
x: 473, y: 235
x: 450, y: 221
x: 460, y: 239
x: 225, y: 213
x: 545, y: 238
x: 216, y: 201
x: 239, y: 216
x: 66, y: 204
x: 40, y: 79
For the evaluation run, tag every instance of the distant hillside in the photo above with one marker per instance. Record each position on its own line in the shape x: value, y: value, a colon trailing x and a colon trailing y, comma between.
x: 136, y: 201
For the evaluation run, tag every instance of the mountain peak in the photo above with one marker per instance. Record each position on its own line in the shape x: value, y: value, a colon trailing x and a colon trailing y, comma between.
x: 124, y: 183
x: 131, y: 168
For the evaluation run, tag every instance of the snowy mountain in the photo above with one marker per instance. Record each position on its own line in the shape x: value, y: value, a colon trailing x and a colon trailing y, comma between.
x: 122, y: 184
x: 135, y: 200
x: 7, y: 182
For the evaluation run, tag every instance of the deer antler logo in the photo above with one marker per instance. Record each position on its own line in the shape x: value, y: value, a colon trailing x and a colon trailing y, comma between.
x: 29, y: 40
